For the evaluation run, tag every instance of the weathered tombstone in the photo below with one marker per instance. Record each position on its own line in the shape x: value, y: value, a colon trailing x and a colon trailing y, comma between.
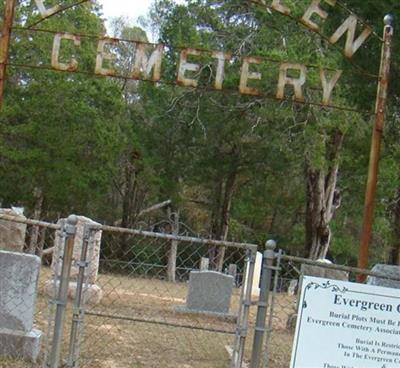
x: 324, y: 272
x: 387, y: 270
x: 93, y: 293
x: 255, y: 286
x: 209, y: 292
x: 293, y: 286
x: 19, y: 275
x: 12, y: 234
x: 204, y: 264
x: 232, y: 271
x: 316, y: 271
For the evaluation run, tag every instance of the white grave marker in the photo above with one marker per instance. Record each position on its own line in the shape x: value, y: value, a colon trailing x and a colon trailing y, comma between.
x: 93, y: 291
x: 255, y: 289
x: 346, y: 325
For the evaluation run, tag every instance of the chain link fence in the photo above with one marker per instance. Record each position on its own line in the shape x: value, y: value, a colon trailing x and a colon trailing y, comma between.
x: 113, y: 297
x: 153, y: 312
x: 25, y: 314
x: 285, y: 284
x: 110, y: 297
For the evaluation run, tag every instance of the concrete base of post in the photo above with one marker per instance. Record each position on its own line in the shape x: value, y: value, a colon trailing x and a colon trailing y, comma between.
x: 92, y: 295
x: 20, y: 344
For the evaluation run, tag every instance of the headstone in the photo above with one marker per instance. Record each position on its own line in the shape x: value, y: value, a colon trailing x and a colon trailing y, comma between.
x: 387, y: 270
x: 209, y: 292
x: 19, y: 275
x: 293, y: 286
x: 204, y: 264
x: 232, y: 271
x: 12, y: 234
x: 93, y: 293
x: 255, y: 286
x: 324, y: 272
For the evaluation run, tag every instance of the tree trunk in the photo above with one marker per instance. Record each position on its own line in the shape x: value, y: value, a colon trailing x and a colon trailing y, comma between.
x: 129, y: 193
x: 215, y: 216
x: 322, y: 199
x: 173, y: 250
x: 225, y: 217
x: 221, y: 217
x: 37, y: 211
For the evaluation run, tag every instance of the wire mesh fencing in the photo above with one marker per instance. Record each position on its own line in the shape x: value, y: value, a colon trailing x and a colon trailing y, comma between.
x: 157, y: 307
x: 79, y: 294
x: 284, y: 299
x: 25, y: 313
x: 85, y: 295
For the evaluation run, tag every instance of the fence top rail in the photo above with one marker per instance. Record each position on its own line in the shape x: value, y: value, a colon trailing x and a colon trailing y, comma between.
x: 187, y: 239
x: 22, y: 220
x: 332, y: 266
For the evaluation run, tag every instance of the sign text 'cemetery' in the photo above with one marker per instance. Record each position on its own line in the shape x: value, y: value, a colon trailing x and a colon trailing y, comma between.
x: 255, y: 76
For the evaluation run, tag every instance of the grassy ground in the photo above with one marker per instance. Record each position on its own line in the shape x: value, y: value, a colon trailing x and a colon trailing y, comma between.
x: 115, y: 343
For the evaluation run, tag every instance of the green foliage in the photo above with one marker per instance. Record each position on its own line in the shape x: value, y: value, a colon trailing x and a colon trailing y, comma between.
x: 109, y: 148
x: 58, y: 132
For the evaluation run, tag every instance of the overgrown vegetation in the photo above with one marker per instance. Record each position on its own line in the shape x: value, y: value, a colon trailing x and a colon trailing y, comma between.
x: 235, y: 167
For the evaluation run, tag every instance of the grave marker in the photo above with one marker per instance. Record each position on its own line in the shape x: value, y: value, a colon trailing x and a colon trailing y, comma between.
x: 232, y: 271
x: 324, y: 272
x: 209, y: 293
x: 255, y: 286
x: 18, y: 286
x: 93, y: 292
x: 12, y: 234
x: 204, y: 264
x: 389, y: 271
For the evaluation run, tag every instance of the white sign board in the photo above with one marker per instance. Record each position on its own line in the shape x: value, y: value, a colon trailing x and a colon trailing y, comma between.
x: 346, y: 325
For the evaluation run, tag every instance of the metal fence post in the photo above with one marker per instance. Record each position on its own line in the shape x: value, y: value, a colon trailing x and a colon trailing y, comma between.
x: 9, y: 8
x: 244, y: 309
x: 277, y: 269
x: 262, y: 305
x: 78, y: 309
x: 61, y: 302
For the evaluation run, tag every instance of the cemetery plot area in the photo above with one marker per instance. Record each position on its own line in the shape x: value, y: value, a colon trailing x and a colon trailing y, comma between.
x: 121, y: 343
x: 151, y: 338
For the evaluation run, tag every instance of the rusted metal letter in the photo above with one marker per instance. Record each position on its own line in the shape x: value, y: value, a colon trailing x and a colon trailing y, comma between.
x: 384, y: 75
x: 44, y: 12
x: 73, y: 64
x: 350, y: 26
x: 245, y: 75
x: 314, y: 8
x: 279, y: 7
x: 297, y: 83
x: 219, y: 75
x: 184, y: 66
x: 103, y: 54
x: 144, y: 65
x: 328, y: 85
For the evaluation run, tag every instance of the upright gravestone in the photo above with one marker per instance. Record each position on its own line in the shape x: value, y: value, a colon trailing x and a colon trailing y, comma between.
x: 93, y: 292
x: 232, y: 271
x: 293, y: 285
x: 388, y: 271
x: 255, y: 285
x: 12, y: 234
x: 209, y: 292
x: 314, y: 270
x: 18, y: 286
x: 324, y: 272
x: 204, y: 264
